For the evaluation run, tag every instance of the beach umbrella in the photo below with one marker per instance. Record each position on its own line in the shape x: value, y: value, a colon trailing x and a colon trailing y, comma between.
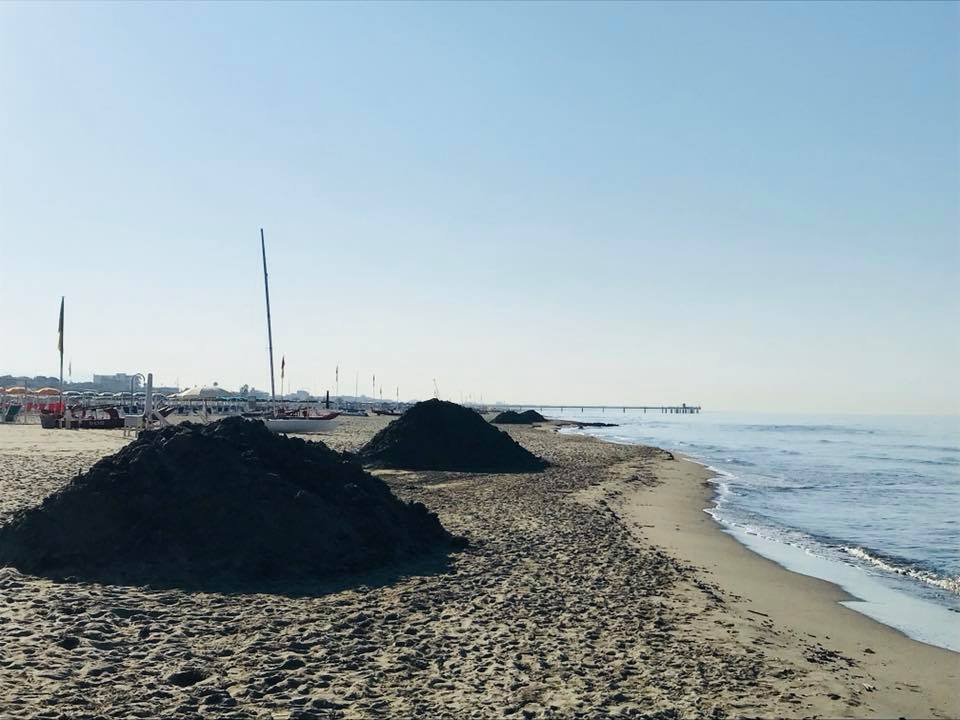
x: 46, y: 391
x: 17, y: 390
x: 202, y: 393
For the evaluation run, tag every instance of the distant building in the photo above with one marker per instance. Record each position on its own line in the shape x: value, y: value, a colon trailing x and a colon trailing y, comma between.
x: 117, y: 382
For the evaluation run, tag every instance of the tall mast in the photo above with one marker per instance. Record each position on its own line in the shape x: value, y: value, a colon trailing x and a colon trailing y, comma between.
x: 63, y: 410
x: 266, y: 290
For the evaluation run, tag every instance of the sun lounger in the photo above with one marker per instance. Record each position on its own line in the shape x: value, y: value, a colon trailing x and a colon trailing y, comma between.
x: 11, y: 414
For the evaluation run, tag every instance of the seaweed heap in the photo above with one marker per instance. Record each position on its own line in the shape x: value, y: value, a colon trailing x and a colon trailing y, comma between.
x: 512, y: 417
x: 440, y: 435
x: 227, y: 502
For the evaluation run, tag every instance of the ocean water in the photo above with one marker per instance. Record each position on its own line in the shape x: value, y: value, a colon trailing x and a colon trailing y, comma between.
x: 869, y: 503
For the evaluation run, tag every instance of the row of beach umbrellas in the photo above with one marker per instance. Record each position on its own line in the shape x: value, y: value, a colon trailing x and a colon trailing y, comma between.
x: 47, y: 392
x: 20, y: 390
x: 194, y: 393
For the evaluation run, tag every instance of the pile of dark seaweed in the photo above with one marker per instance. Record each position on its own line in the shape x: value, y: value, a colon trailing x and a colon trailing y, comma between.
x: 440, y: 435
x: 512, y: 417
x: 227, y: 502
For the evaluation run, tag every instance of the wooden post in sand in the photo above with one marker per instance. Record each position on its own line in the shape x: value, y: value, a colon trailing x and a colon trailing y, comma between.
x: 148, y: 397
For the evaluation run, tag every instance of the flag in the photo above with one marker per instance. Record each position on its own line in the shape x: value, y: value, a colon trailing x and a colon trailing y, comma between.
x: 283, y: 364
x: 337, y: 373
x: 60, y: 331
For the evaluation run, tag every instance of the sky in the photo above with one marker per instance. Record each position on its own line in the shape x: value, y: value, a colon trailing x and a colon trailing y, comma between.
x: 745, y: 206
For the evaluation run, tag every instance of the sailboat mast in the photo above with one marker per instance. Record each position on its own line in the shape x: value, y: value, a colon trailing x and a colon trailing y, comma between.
x: 266, y: 290
x: 63, y: 410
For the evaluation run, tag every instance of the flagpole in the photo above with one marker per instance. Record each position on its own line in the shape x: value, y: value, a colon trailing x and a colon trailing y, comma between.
x: 63, y: 410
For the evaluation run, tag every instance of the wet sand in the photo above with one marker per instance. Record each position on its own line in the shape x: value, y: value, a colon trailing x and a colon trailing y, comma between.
x: 578, y: 598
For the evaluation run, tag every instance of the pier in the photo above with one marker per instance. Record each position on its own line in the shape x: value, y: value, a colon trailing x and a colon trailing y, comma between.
x: 683, y: 409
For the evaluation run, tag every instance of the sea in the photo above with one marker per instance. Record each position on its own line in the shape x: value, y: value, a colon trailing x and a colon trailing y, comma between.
x: 869, y: 503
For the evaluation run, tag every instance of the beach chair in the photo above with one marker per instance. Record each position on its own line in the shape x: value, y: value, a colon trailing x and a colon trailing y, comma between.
x: 132, y: 425
x: 11, y: 414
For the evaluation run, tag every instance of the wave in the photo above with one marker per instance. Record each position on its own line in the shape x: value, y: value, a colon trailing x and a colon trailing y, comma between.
x: 794, y: 488
x: 822, y: 545
x: 932, y: 448
x: 947, y: 460
x: 713, y: 469
x: 839, y: 429
x: 950, y: 584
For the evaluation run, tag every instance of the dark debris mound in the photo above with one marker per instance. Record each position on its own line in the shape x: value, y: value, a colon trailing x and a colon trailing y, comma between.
x: 512, y: 417
x: 440, y: 435
x: 226, y: 502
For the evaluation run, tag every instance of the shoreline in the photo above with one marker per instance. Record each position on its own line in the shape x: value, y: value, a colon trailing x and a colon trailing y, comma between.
x: 897, y: 676
x: 866, y: 593
x: 922, y: 605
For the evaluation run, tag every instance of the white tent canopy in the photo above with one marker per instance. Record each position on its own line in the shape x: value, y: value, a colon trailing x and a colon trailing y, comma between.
x: 202, y: 393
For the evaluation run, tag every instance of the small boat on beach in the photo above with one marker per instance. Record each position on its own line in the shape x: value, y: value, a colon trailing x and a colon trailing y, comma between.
x: 300, y: 424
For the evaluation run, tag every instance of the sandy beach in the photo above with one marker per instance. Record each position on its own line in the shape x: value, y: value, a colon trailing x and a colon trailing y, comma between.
x: 597, y: 588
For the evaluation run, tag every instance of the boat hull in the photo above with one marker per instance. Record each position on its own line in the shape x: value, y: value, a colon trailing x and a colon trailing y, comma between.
x: 299, y: 425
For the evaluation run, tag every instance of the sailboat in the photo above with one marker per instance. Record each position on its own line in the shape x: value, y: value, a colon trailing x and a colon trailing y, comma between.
x: 287, y: 422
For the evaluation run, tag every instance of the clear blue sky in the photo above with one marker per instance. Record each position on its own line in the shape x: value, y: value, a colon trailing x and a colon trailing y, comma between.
x: 749, y: 206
